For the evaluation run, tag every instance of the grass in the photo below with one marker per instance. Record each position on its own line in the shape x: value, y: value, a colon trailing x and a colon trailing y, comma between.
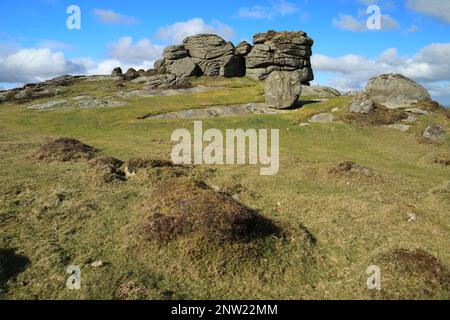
x: 55, y: 214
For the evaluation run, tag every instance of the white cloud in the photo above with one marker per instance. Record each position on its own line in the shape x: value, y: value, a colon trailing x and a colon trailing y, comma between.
x: 350, y: 23
x: 34, y: 65
x: 55, y: 45
x: 429, y: 66
x: 281, y: 8
x: 127, y: 52
x: 112, y: 17
x: 439, y: 9
x: 176, y: 32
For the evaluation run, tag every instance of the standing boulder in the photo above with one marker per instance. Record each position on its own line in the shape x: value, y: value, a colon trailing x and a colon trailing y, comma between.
x: 131, y: 74
x: 396, y: 91
x: 280, y: 51
x: 117, y: 72
x: 361, y: 104
x: 283, y: 88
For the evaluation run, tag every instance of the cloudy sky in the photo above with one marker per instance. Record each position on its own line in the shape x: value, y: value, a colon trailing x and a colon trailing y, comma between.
x: 414, y: 39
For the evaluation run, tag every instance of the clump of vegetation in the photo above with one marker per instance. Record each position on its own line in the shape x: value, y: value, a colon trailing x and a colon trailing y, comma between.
x: 381, y: 116
x: 183, y: 206
x: 348, y: 167
x: 427, y: 105
x: 443, y: 160
x: 412, y: 274
x: 65, y: 150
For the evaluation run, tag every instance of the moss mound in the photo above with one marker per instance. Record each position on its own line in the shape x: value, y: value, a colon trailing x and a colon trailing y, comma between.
x: 413, y: 274
x: 65, y: 150
x: 182, y: 206
x: 381, y: 116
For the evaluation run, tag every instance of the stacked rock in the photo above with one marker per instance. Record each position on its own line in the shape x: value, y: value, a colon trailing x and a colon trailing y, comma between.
x: 203, y: 54
x: 280, y: 51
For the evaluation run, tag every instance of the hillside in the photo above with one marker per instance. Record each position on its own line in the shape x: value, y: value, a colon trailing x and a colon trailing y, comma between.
x: 349, y: 194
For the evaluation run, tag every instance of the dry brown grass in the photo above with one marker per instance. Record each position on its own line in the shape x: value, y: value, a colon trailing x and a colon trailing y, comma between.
x: 183, y: 206
x: 381, y: 116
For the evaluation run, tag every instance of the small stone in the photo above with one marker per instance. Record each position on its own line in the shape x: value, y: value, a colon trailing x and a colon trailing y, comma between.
x: 97, y: 264
x: 418, y: 111
x: 323, y: 118
x: 412, y: 217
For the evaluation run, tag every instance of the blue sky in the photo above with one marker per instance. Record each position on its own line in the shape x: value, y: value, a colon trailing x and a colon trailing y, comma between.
x: 414, y: 39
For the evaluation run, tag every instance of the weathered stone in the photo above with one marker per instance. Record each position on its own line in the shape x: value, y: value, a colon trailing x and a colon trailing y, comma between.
x: 283, y: 88
x: 322, y: 118
x: 396, y: 91
x: 243, y: 48
x: 117, y: 72
x: 320, y: 92
x: 418, y: 111
x: 131, y: 74
x: 285, y: 51
x: 176, y: 52
x: 183, y: 68
x: 361, y: 104
x: 434, y: 132
x: 399, y: 126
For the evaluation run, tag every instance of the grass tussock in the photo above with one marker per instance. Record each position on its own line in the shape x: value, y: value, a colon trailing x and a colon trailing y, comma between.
x: 381, y: 116
x: 412, y: 274
x: 66, y: 150
x: 183, y: 207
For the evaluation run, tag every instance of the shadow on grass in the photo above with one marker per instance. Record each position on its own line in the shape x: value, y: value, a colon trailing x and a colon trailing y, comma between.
x: 11, y: 265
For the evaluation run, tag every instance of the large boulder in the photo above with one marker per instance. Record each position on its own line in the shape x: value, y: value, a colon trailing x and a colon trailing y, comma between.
x: 131, y: 74
x: 396, y: 91
x: 280, y: 51
x: 117, y: 72
x: 361, y: 103
x: 283, y: 88
x: 183, y: 68
x: 214, y: 55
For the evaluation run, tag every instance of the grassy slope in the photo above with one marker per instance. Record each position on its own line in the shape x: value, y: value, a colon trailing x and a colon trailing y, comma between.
x: 352, y: 219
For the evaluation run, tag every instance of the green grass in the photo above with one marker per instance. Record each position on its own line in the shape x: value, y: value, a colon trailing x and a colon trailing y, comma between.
x: 353, y: 219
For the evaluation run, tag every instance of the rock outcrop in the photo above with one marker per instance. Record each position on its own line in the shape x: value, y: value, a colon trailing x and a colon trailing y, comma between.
x: 203, y: 54
x: 117, y: 72
x: 280, y: 51
x: 210, y: 55
x: 396, y: 91
x: 283, y: 88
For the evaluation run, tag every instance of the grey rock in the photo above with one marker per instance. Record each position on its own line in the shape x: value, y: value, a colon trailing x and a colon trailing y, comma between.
x: 361, y: 103
x: 399, y: 126
x: 176, y: 52
x: 283, y: 88
x: 322, y: 118
x: 243, y: 48
x: 131, y: 74
x: 184, y: 67
x: 396, y: 91
x: 218, y: 112
x: 434, y: 132
x: 280, y: 51
x: 320, y: 92
x: 418, y: 111
x: 117, y: 72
